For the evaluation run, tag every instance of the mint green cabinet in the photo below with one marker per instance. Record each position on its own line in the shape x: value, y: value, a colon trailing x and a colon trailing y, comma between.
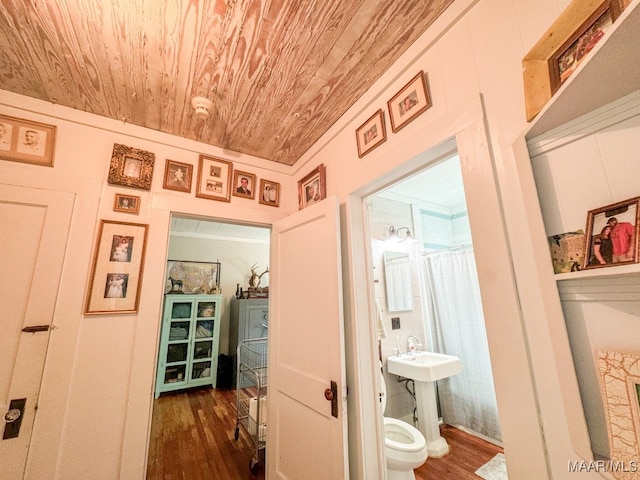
x: 189, y: 342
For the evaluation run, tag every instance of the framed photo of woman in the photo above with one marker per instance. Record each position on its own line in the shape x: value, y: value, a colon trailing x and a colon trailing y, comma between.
x: 612, y: 235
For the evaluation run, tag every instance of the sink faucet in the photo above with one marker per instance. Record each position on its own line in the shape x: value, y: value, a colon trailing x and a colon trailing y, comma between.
x: 412, y: 345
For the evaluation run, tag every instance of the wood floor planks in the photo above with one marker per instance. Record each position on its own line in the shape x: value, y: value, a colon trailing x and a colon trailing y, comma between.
x: 192, y: 438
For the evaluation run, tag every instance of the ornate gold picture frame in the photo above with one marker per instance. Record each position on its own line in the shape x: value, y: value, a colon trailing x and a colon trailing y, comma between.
x: 131, y: 167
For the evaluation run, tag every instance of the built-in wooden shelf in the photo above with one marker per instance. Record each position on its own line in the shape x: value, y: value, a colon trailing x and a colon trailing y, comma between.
x: 598, y: 81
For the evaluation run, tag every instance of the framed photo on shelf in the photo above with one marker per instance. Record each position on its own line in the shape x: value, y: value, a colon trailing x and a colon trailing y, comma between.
x: 116, y: 275
x: 409, y: 102
x: 126, y: 203
x: 612, y: 235
x: 312, y: 188
x: 177, y: 176
x: 131, y: 167
x: 244, y: 184
x: 269, y: 193
x: 563, y: 47
x: 192, y: 277
x: 371, y: 133
x: 214, y: 179
x: 26, y: 141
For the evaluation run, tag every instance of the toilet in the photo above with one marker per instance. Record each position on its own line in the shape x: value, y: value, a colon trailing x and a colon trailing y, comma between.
x: 405, y: 447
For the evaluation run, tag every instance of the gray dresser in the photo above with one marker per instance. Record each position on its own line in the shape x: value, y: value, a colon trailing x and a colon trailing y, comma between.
x: 249, y: 319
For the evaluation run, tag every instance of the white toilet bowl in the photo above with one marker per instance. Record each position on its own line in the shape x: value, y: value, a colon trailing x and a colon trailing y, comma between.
x: 405, y: 447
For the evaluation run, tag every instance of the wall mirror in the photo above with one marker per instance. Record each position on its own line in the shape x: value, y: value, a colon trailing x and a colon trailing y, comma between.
x: 397, y: 277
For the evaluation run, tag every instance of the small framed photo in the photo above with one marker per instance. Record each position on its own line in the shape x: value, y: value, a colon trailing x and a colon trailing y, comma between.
x: 371, y: 134
x: 26, y: 141
x: 409, y: 102
x: 269, y: 193
x: 126, y: 203
x: 562, y: 48
x: 612, y: 235
x: 116, y: 276
x: 214, y: 179
x: 177, y: 176
x: 312, y: 188
x: 131, y: 167
x: 244, y: 184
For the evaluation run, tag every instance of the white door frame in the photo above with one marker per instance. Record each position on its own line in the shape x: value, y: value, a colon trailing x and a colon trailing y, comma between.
x: 516, y: 390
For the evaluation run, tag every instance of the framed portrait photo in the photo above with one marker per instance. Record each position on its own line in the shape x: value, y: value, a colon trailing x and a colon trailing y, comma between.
x: 312, y: 188
x: 131, y: 167
x: 177, y: 176
x: 214, y: 179
x: 244, y: 184
x: 612, y: 235
x: 116, y: 275
x: 371, y: 133
x: 563, y: 47
x: 26, y: 141
x: 269, y: 193
x: 409, y: 102
x: 126, y: 203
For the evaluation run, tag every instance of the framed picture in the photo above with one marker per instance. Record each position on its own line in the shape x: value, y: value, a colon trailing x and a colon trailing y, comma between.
x: 563, y: 47
x: 131, y: 167
x: 192, y: 277
x: 269, y: 193
x: 409, y: 102
x: 26, y: 141
x: 177, y: 176
x: 126, y: 203
x: 214, y: 179
x: 612, y: 235
x: 312, y: 188
x: 244, y: 184
x: 116, y: 276
x: 371, y: 134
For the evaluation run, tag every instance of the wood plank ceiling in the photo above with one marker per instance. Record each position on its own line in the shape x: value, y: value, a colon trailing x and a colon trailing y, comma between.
x: 279, y: 72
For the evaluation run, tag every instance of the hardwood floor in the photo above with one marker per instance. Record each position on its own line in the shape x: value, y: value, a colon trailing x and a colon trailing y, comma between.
x: 192, y: 438
x: 468, y: 453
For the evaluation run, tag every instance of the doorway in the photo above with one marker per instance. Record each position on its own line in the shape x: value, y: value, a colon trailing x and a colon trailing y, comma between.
x: 192, y: 429
x: 423, y: 218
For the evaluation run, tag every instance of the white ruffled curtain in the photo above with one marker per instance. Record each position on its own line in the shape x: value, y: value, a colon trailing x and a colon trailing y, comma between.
x: 456, y: 322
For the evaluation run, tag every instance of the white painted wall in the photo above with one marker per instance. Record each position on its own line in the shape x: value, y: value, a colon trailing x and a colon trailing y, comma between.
x: 97, y: 387
x: 96, y: 393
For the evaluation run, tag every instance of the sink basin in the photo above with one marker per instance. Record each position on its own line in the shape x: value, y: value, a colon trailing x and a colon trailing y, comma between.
x: 424, y: 366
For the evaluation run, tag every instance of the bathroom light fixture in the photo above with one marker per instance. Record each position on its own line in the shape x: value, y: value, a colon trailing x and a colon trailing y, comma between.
x: 203, y: 107
x: 401, y: 234
x: 407, y: 236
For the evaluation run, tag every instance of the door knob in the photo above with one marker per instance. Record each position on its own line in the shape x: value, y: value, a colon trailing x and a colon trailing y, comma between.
x: 13, y: 418
x: 12, y: 415
x: 331, y: 394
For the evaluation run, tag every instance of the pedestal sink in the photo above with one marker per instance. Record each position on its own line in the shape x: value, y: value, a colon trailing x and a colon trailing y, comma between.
x: 424, y: 368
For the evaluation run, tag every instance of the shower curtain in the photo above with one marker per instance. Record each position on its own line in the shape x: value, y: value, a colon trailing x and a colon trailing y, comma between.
x: 456, y: 323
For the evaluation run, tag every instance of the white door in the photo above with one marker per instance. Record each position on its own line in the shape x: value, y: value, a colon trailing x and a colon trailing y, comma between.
x: 35, y: 225
x: 305, y: 438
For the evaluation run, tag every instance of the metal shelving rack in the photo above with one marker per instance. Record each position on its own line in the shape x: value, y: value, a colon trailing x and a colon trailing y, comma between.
x: 251, y: 391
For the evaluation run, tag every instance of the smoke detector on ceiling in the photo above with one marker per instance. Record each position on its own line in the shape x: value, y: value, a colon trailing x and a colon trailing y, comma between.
x: 203, y: 107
